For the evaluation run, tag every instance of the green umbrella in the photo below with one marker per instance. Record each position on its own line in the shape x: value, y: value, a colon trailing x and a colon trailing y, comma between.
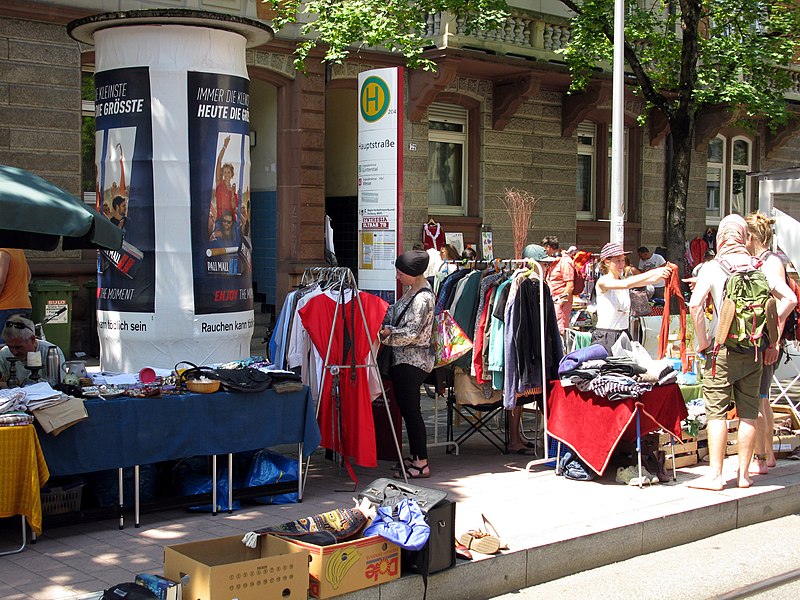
x: 37, y: 214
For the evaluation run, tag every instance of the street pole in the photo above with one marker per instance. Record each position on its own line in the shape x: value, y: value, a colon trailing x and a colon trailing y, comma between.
x: 618, y: 126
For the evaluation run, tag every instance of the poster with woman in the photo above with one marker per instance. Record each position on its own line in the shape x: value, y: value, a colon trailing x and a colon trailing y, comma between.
x: 219, y: 159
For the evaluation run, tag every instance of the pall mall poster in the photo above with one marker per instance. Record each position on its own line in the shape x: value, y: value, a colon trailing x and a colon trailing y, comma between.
x: 219, y: 180
x: 123, y: 155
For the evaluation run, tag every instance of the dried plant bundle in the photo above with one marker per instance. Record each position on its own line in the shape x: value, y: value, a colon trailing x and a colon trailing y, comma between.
x: 520, y: 206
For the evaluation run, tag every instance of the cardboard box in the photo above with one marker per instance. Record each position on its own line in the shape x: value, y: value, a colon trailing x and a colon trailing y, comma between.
x: 349, y: 566
x: 224, y: 569
x: 782, y: 411
x: 55, y: 419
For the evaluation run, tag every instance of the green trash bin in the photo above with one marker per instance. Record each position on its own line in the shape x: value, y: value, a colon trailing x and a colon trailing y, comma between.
x: 52, y: 299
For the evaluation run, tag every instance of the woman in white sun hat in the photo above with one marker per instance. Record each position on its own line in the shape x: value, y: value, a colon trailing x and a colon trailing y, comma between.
x: 613, y: 297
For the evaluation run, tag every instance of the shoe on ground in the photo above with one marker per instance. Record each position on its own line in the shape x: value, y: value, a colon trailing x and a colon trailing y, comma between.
x: 630, y: 476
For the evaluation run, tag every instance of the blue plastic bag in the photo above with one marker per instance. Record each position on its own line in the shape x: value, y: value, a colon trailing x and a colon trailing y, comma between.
x: 270, y: 467
x: 404, y: 524
x: 193, y: 483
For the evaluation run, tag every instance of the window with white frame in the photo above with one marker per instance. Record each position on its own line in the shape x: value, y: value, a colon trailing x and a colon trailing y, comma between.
x: 585, y: 180
x: 740, y: 166
x: 447, y: 159
x: 715, y: 189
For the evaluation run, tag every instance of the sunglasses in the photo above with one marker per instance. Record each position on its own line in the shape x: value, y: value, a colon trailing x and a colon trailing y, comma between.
x: 17, y: 325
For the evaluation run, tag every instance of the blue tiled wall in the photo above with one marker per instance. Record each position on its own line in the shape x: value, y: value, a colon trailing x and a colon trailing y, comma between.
x: 264, y: 208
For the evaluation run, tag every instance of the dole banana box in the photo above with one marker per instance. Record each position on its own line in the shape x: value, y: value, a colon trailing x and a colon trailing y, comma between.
x: 349, y: 566
x: 225, y: 569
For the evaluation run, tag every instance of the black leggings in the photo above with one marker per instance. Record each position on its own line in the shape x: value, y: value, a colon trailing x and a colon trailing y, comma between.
x: 406, y: 381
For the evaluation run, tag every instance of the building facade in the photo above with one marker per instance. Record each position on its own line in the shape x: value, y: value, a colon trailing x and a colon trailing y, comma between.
x: 495, y: 115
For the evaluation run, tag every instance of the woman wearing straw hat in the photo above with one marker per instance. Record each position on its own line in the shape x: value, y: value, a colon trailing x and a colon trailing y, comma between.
x: 613, y: 298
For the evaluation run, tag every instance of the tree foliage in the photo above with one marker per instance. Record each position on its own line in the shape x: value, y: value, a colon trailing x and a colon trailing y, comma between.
x: 688, y: 54
x: 342, y: 26
x: 701, y: 52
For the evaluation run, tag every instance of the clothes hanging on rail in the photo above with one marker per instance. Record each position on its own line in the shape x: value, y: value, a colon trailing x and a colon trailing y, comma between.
x: 346, y: 420
x: 506, y: 330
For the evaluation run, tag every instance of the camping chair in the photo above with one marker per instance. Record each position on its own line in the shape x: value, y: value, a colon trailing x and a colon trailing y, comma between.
x: 788, y: 370
x: 469, y: 400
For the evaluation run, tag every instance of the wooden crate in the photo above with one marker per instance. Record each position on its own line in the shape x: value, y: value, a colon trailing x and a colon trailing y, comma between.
x: 685, y: 450
x: 783, y: 411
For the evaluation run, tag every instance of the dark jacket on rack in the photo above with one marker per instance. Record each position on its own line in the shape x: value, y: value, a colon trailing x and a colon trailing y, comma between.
x: 464, y: 313
x: 527, y: 336
x: 448, y: 290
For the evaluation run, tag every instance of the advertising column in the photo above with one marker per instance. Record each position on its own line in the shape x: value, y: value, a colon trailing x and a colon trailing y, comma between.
x: 380, y: 178
x: 173, y: 171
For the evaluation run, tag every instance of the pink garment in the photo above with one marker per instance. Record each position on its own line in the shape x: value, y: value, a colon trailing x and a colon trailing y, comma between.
x: 561, y: 274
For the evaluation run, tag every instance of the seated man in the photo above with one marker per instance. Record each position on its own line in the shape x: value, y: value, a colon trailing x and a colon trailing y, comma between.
x: 18, y: 334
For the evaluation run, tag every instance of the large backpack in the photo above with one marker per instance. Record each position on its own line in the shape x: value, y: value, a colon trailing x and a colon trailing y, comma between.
x: 748, y: 318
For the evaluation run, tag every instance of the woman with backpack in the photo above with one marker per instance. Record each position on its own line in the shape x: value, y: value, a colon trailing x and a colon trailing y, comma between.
x: 613, y: 295
x: 733, y: 369
x: 760, y: 227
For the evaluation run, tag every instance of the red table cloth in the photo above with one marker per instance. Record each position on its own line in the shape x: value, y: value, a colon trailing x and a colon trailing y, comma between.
x: 593, y: 426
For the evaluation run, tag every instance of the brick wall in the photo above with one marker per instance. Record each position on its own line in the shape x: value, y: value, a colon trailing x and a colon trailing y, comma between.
x: 40, y: 101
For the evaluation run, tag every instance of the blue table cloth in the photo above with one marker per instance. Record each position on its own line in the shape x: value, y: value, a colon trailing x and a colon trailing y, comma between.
x: 126, y: 431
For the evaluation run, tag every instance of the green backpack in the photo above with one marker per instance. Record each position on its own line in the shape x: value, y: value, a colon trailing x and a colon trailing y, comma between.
x: 748, y: 317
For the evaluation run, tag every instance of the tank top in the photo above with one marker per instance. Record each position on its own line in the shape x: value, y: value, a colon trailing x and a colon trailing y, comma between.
x: 15, y: 291
x: 613, y: 309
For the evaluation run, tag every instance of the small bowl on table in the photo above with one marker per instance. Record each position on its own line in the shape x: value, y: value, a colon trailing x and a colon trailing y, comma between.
x: 202, y: 387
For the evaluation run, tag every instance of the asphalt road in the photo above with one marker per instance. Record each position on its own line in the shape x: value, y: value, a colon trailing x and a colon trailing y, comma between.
x: 722, y: 567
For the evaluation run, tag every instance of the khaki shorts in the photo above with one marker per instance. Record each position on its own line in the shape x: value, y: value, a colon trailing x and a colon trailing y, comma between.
x: 737, y: 378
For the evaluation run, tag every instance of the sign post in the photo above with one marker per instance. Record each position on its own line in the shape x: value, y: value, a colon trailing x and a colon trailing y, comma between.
x: 380, y: 179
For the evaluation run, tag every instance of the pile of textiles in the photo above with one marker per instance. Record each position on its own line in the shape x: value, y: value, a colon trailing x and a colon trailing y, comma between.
x: 628, y: 375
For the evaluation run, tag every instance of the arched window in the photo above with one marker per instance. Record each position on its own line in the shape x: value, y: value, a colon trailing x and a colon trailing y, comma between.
x: 740, y: 167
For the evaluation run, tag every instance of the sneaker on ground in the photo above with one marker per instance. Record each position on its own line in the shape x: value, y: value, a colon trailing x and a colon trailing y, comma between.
x: 630, y: 476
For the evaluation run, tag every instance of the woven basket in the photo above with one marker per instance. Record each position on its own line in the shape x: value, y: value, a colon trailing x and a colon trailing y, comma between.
x: 202, y: 387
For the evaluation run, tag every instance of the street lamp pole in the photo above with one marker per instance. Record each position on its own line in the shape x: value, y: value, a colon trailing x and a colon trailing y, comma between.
x: 618, y: 126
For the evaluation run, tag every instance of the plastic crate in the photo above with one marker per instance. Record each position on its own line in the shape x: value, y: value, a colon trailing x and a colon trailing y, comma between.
x: 62, y: 499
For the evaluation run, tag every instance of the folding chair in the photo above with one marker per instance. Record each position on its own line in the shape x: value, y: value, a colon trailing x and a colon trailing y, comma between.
x: 467, y: 399
x: 788, y: 368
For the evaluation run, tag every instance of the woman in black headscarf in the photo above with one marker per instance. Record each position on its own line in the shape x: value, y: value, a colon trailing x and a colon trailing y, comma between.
x: 408, y: 332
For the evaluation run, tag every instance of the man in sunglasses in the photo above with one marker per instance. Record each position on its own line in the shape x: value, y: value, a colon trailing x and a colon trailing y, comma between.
x: 18, y: 334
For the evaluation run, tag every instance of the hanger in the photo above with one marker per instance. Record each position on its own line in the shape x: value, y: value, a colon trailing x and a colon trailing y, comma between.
x: 431, y: 221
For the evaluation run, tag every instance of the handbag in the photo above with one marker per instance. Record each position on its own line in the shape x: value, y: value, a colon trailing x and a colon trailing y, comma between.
x: 449, y: 340
x: 640, y: 303
x: 388, y: 492
x: 384, y: 360
x: 385, y: 354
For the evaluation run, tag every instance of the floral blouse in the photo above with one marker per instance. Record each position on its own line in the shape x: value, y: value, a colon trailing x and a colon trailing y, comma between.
x: 410, y: 339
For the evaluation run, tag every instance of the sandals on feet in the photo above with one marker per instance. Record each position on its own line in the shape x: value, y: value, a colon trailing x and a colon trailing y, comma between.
x: 414, y: 472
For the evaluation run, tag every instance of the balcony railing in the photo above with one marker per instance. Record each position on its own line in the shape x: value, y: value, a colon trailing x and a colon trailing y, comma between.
x: 524, y: 34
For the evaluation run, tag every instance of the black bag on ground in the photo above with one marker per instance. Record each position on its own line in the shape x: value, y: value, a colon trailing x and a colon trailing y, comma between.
x: 440, y: 513
x: 243, y: 380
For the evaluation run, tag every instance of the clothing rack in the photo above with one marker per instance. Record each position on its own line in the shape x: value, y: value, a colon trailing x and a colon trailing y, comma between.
x: 530, y: 263
x: 343, y: 280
